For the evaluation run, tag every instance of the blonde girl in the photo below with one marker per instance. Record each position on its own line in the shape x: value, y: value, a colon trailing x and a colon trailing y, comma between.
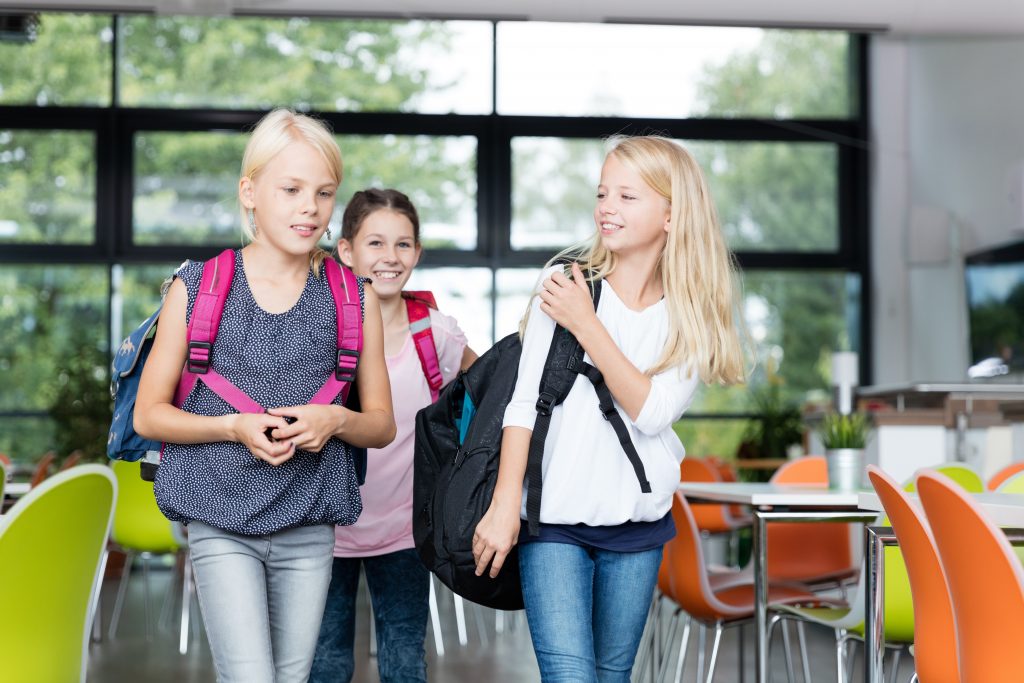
x: 261, y: 493
x: 664, y: 324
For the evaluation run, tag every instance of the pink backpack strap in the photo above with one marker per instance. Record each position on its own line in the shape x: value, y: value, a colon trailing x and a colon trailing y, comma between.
x: 207, y: 311
x: 345, y: 290
x: 418, y: 305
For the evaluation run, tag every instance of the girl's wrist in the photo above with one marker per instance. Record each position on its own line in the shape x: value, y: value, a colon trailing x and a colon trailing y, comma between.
x: 230, y: 422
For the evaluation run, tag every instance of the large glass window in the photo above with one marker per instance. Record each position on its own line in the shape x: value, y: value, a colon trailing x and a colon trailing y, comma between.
x: 322, y: 64
x: 769, y: 195
x: 103, y: 193
x: 47, y: 187
x: 56, y: 59
x: 560, y: 69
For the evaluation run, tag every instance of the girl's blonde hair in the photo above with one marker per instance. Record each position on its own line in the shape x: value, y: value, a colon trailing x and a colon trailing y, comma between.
x: 697, y: 269
x: 274, y: 132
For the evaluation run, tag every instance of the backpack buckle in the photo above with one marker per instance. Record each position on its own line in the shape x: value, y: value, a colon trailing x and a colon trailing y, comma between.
x: 345, y: 368
x: 199, y: 357
x: 544, y: 403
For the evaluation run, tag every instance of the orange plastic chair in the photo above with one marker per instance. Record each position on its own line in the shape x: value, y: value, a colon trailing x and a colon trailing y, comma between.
x: 711, y: 518
x: 717, y: 604
x: 935, y: 655
x: 728, y: 474
x: 74, y: 457
x: 42, y: 470
x: 986, y: 582
x: 1004, y: 474
x: 5, y: 459
x: 812, y: 553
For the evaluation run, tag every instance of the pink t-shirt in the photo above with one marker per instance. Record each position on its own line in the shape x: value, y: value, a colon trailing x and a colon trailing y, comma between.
x: 385, y: 524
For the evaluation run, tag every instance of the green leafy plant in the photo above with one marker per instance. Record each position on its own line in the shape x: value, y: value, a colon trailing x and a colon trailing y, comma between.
x: 845, y: 431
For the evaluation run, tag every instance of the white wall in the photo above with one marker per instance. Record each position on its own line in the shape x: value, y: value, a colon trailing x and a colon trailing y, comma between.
x: 948, y: 178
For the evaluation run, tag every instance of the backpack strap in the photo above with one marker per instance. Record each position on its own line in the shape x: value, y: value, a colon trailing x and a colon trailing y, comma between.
x: 563, y: 364
x: 207, y: 311
x: 417, y: 306
x: 345, y: 290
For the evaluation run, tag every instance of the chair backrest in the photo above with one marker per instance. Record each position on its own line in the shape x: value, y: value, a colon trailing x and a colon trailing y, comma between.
x: 687, y: 574
x: 963, y: 474
x: 74, y: 457
x: 138, y: 523
x: 807, y: 551
x: 710, y: 517
x: 986, y: 582
x: 42, y: 470
x: 52, y: 542
x: 934, y: 628
x: 999, y: 479
x: 728, y: 474
x: 1012, y: 484
x: 5, y: 459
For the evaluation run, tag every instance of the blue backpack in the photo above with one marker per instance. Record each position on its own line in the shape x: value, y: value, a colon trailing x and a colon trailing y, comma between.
x: 123, y: 443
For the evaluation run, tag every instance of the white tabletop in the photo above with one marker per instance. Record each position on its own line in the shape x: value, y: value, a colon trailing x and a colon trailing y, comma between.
x: 16, y: 488
x: 1004, y: 509
x: 785, y: 495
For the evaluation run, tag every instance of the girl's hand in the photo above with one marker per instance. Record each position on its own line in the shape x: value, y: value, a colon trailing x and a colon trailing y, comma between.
x: 311, y: 425
x: 495, y: 535
x: 249, y: 429
x: 568, y: 302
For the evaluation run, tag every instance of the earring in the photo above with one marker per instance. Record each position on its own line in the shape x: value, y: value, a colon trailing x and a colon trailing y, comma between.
x: 252, y: 222
x: 328, y: 232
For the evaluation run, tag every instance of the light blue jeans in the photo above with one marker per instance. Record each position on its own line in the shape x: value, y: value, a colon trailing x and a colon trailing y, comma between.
x: 586, y: 608
x: 262, y: 598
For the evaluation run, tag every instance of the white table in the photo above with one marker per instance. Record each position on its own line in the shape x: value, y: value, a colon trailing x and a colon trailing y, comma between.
x: 776, y: 503
x: 15, y: 489
x: 1003, y: 509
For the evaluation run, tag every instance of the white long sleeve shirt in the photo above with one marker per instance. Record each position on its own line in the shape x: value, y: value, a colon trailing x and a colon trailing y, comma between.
x: 587, y: 477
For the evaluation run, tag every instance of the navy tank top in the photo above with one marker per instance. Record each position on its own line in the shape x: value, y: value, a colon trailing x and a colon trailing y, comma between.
x: 277, y: 359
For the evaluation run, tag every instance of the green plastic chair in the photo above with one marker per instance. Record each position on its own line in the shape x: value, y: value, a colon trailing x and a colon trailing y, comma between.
x: 1014, y: 484
x: 140, y: 529
x: 52, y: 548
x: 963, y: 474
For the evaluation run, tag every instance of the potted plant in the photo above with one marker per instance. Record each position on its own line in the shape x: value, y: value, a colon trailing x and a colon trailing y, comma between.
x: 844, y: 438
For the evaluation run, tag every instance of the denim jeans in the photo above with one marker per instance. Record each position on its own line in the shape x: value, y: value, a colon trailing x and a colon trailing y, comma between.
x: 586, y: 608
x: 399, y: 590
x: 261, y: 598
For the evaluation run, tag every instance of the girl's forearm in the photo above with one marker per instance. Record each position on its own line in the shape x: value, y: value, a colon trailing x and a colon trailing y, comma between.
x: 628, y: 385
x: 515, y: 447
x: 164, y: 422
x: 367, y: 429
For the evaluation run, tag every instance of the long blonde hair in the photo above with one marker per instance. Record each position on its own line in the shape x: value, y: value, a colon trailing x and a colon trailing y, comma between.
x: 697, y: 269
x: 274, y: 132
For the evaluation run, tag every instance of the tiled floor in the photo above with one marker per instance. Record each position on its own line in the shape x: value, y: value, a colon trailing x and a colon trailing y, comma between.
x: 505, y: 657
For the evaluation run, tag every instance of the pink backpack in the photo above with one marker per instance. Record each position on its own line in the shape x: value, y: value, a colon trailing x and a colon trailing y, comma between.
x: 418, y: 305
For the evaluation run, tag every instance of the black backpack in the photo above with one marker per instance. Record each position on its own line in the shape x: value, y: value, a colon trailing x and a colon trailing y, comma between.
x: 458, y: 443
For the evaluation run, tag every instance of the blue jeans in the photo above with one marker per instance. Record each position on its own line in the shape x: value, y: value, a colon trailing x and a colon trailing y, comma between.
x: 262, y: 597
x: 399, y: 592
x: 586, y: 608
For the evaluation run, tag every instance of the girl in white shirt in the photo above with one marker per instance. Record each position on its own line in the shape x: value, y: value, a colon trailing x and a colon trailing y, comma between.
x: 664, y: 322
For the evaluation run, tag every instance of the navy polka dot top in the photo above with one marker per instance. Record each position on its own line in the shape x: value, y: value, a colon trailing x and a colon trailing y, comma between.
x: 277, y: 360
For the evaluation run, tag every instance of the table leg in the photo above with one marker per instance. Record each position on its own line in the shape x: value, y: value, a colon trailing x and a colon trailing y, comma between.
x: 875, y: 540
x: 760, y: 552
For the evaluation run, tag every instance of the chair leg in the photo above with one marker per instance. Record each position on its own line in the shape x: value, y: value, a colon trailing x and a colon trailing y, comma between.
x: 787, y: 651
x: 122, y: 588
x: 896, y: 663
x: 660, y: 664
x: 702, y: 639
x: 145, y: 586
x: 681, y: 661
x: 499, y: 621
x: 460, y: 619
x: 851, y: 658
x: 435, y: 619
x: 96, y: 609
x: 645, y: 653
x: 481, y: 628
x: 803, y: 651
x: 186, y: 602
x: 714, y: 651
x: 840, y: 654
